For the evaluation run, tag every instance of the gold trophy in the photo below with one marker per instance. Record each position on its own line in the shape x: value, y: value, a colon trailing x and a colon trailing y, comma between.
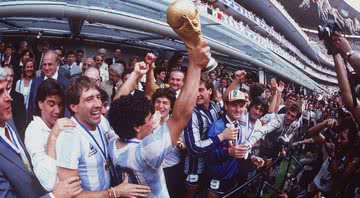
x: 183, y: 18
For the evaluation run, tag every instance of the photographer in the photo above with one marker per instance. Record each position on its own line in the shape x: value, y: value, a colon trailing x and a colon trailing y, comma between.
x: 340, y: 170
x: 339, y: 47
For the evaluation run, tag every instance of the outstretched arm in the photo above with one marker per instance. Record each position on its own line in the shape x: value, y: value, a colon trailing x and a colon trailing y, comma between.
x: 184, y: 105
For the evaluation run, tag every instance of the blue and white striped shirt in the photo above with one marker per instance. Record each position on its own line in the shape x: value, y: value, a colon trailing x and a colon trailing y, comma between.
x: 196, y: 137
x: 76, y: 150
x: 142, y: 160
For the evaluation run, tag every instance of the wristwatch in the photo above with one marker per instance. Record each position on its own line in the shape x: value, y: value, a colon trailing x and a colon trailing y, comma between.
x: 349, y: 54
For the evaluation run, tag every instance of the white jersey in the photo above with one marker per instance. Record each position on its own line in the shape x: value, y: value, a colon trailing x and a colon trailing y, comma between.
x: 75, y: 149
x: 142, y: 160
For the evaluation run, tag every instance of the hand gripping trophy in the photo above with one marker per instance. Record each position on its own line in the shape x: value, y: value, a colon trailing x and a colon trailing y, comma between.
x: 183, y: 18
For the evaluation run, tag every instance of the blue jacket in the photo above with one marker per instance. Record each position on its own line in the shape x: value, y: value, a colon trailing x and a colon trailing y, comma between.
x: 221, y: 165
x: 15, y: 179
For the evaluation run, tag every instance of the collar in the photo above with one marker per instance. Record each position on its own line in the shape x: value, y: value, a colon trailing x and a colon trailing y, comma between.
x: 40, y: 123
x: 55, y: 76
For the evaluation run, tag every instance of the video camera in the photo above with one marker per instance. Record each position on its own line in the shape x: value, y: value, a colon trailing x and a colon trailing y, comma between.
x: 325, y: 32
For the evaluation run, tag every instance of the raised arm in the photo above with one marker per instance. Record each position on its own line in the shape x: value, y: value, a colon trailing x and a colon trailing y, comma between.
x: 150, y: 86
x: 184, y: 105
x: 239, y: 77
x: 130, y: 84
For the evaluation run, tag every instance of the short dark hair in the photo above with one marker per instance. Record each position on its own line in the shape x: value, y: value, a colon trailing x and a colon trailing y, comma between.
x: 48, y: 87
x: 165, y: 92
x: 80, y: 51
x: 158, y: 70
x: 31, y: 55
x: 70, y: 53
x: 75, y: 89
x: 260, y: 101
x: 296, y: 108
x: 128, y: 112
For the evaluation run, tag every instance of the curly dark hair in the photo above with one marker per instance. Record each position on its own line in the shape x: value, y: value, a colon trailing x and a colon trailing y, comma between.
x: 260, y: 101
x: 128, y: 112
x: 164, y: 92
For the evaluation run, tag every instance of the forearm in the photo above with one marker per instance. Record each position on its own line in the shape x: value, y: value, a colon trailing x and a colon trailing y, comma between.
x: 218, y: 155
x: 272, y: 106
x: 315, y: 130
x: 278, y: 101
x: 150, y: 86
x: 185, y: 103
x: 198, y: 147
x: 354, y: 61
x: 232, y: 86
x: 51, y: 147
x: 128, y: 86
x: 343, y: 80
x: 94, y: 194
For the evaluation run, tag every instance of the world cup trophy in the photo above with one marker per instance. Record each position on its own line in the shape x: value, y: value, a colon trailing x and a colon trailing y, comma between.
x: 183, y: 18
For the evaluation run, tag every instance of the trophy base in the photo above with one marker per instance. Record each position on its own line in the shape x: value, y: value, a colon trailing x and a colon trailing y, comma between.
x: 212, y: 64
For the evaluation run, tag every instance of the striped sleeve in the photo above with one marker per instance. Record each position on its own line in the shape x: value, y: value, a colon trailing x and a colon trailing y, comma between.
x: 193, y: 142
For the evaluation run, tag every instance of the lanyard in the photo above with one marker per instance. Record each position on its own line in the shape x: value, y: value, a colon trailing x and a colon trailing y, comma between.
x: 12, y: 145
x: 103, y: 151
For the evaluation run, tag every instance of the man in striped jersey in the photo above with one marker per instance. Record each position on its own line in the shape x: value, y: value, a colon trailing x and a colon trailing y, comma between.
x: 196, y: 138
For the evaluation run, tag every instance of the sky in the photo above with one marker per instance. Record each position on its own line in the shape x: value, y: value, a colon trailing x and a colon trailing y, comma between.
x: 354, y: 3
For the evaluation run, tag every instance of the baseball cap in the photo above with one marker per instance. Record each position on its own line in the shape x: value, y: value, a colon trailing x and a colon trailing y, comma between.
x: 236, y: 95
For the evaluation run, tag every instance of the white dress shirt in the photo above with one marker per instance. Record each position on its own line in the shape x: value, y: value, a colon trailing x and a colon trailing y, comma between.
x: 36, y: 137
x: 55, y: 76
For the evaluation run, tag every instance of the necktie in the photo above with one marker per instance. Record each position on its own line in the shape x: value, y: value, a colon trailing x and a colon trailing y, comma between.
x: 7, y: 134
x: 113, y: 92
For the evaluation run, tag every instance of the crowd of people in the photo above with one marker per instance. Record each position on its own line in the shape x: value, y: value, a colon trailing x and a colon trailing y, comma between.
x: 76, y: 126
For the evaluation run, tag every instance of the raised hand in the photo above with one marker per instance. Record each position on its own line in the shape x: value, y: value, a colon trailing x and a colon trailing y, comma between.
x: 125, y: 189
x: 240, y: 76
x: 281, y: 87
x: 150, y: 58
x: 141, y: 68
x: 274, y: 85
x: 199, y: 56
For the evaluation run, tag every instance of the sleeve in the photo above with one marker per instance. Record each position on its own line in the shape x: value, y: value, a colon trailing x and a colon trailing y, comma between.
x: 194, y: 144
x: 218, y: 153
x: 6, y: 189
x: 44, y: 166
x: 68, y: 146
x: 155, y: 147
x: 262, y: 131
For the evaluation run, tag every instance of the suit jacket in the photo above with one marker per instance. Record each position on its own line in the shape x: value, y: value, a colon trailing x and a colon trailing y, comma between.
x: 68, y: 74
x: 33, y: 91
x: 15, y: 179
x: 19, y: 112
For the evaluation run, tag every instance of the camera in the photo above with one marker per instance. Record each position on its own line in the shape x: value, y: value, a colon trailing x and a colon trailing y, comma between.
x: 325, y: 32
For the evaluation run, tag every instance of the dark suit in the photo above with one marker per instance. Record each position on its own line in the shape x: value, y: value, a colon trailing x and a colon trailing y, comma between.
x: 34, y: 88
x: 18, y: 111
x: 16, y: 181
